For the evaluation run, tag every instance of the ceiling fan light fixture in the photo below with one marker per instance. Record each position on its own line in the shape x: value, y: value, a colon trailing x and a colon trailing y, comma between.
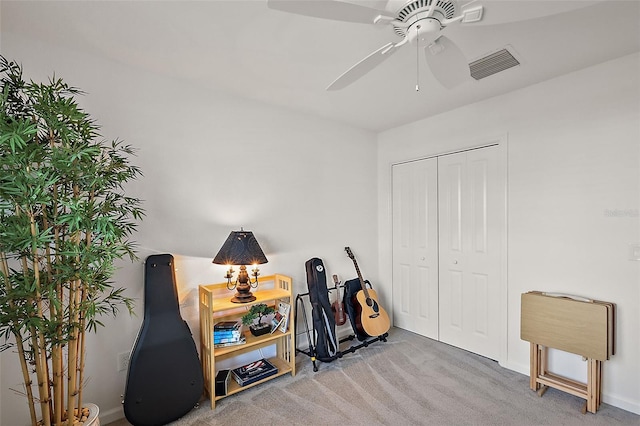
x: 436, y: 48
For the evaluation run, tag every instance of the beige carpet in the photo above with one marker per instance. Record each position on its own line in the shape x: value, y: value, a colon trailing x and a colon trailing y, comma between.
x: 408, y: 380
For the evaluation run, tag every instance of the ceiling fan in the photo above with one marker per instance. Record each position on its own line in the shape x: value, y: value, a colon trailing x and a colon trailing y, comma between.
x: 416, y: 22
x: 421, y: 23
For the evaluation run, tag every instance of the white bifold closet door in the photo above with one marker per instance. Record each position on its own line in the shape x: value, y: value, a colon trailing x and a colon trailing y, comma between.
x: 415, y: 247
x: 446, y: 249
x: 469, y: 251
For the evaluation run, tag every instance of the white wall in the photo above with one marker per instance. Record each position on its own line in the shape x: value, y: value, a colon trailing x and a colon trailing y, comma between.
x: 573, y: 199
x: 211, y: 164
x: 307, y: 187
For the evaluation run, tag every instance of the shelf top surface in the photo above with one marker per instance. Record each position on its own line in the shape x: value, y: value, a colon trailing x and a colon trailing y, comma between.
x: 221, y: 303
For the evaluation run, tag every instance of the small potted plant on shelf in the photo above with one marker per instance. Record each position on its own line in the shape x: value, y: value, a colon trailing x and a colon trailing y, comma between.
x: 257, y: 312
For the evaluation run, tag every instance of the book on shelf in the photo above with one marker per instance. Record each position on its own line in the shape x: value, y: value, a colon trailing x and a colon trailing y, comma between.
x: 284, y: 309
x: 240, y: 341
x: 254, y: 372
x: 228, y: 325
x: 217, y: 340
x: 226, y: 334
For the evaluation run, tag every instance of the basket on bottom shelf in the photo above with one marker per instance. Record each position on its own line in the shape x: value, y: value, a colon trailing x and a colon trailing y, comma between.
x: 254, y: 372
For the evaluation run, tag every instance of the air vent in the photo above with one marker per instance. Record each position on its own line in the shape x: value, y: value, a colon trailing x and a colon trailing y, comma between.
x: 492, y: 64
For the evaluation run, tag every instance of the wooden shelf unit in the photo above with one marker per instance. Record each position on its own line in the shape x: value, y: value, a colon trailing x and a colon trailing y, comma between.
x: 215, y: 306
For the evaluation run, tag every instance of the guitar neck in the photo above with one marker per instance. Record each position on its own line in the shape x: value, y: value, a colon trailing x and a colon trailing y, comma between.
x: 336, y: 284
x: 362, y: 283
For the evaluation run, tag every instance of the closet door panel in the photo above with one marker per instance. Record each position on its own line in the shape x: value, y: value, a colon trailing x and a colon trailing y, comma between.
x: 469, y: 251
x: 415, y: 247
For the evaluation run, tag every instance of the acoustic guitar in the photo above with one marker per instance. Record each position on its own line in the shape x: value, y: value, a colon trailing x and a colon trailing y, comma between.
x: 374, y: 320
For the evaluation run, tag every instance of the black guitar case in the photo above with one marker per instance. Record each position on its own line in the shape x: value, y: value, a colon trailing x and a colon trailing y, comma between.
x: 324, y: 322
x: 164, y: 380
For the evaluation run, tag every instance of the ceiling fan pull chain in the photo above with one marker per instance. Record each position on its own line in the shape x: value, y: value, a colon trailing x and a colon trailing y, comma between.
x: 417, y: 59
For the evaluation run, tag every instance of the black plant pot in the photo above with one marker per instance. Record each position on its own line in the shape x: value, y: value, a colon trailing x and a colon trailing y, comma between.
x: 259, y: 329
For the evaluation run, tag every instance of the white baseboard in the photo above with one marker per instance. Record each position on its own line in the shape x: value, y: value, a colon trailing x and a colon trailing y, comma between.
x: 625, y: 404
x: 517, y: 367
x: 110, y: 416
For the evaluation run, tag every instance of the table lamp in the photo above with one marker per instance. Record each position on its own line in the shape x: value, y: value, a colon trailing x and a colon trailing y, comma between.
x: 241, y: 248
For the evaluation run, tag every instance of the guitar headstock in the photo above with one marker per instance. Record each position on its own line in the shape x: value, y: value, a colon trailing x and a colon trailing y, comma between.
x: 349, y: 253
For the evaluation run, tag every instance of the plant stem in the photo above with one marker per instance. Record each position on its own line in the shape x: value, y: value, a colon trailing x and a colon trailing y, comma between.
x: 74, y: 317
x: 57, y: 361
x: 37, y: 337
x: 15, y: 328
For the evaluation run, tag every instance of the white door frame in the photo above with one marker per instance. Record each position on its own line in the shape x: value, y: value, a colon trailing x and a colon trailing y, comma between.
x: 502, y: 142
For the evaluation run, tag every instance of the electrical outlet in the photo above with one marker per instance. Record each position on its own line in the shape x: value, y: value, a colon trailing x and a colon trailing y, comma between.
x: 123, y: 361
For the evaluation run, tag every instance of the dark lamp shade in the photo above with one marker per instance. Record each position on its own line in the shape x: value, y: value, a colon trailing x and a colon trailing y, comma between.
x: 240, y: 248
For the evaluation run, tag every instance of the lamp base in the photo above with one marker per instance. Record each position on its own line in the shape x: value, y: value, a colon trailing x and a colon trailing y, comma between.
x: 243, y: 287
x: 243, y: 298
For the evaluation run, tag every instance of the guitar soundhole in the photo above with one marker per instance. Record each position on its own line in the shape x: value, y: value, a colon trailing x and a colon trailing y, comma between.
x: 372, y: 304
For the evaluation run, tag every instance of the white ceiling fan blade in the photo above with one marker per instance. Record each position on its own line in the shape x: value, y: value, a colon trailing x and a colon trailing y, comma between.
x: 447, y: 62
x: 364, y: 66
x: 336, y: 10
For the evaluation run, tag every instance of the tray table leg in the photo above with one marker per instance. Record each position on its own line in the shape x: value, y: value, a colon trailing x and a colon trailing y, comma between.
x: 533, y: 367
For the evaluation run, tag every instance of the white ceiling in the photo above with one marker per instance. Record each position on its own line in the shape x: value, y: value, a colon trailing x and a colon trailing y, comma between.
x: 246, y: 49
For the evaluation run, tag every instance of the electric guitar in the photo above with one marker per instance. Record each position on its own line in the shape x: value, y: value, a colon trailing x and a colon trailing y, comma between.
x: 374, y: 320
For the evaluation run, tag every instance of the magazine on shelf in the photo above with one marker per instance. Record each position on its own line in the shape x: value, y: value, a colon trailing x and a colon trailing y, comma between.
x: 276, y: 321
x: 254, y: 372
x: 284, y: 309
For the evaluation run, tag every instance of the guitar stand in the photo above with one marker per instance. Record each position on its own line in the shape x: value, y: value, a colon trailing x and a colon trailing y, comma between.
x: 311, y: 350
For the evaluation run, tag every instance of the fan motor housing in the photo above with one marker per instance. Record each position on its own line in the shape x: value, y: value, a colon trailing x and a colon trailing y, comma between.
x: 416, y: 10
x: 423, y: 30
x: 404, y: 9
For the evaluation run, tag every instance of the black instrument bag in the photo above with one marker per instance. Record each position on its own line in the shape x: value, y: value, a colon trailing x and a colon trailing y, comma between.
x: 164, y: 380
x: 324, y: 323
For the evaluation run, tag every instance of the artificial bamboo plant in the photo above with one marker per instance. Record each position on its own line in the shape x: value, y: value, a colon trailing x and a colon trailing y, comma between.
x: 64, y: 220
